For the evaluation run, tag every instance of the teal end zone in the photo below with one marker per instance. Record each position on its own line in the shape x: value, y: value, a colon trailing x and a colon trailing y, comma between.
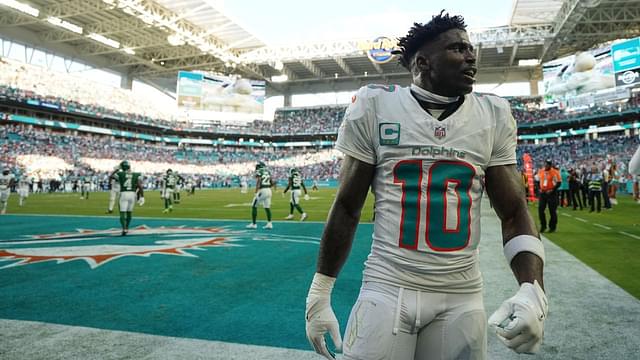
x: 250, y: 293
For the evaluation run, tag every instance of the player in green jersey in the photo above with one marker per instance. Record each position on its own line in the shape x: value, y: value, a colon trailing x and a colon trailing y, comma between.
x: 168, y: 188
x: 130, y: 182
x: 85, y: 187
x: 179, y: 183
x: 262, y: 196
x: 296, y: 184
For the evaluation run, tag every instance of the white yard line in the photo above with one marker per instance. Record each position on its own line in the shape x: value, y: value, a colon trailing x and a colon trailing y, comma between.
x: 630, y: 235
x: 602, y: 226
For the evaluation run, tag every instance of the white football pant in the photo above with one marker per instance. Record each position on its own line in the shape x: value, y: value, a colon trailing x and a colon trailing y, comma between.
x: 392, y: 323
x: 295, y: 196
x: 263, y: 197
x: 127, y: 200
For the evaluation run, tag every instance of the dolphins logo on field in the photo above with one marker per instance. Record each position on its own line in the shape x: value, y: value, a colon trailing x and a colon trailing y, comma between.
x: 98, y: 247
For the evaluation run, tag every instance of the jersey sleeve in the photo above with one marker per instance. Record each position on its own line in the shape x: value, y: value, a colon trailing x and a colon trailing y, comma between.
x: 505, y: 138
x: 355, y: 135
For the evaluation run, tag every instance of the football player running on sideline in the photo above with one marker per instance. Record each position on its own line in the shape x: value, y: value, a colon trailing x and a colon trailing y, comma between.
x: 262, y: 196
x: 168, y: 187
x: 130, y: 183
x: 295, y: 183
x: 6, y: 182
x: 426, y: 150
x: 114, y: 193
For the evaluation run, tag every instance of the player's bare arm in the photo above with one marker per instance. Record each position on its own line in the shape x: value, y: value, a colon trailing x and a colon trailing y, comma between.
x: 503, y: 187
x: 519, y: 321
x: 355, y: 180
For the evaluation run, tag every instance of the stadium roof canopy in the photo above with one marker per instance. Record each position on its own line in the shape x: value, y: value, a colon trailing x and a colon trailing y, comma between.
x: 152, y: 40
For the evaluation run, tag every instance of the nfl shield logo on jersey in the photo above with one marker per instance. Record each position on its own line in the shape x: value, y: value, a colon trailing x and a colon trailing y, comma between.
x: 439, y: 132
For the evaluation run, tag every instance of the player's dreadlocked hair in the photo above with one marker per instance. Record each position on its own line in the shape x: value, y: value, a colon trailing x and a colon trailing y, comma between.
x: 419, y: 34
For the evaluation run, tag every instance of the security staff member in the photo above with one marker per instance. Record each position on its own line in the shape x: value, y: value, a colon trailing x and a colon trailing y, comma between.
x: 549, y: 183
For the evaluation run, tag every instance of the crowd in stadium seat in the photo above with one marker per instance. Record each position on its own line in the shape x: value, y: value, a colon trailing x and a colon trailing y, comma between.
x: 608, y: 153
x: 555, y: 113
x: 96, y: 154
x: 23, y: 81
x: 34, y: 84
x: 21, y: 146
x: 310, y: 120
x: 576, y: 151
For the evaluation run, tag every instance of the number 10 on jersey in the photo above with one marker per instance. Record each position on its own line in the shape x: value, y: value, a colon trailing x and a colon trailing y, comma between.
x: 446, y: 200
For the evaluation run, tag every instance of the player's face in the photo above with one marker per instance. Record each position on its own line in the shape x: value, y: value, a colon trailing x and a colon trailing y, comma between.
x: 448, y: 64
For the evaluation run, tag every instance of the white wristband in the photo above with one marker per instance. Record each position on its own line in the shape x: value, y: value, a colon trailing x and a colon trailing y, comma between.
x: 523, y: 243
x: 321, y: 284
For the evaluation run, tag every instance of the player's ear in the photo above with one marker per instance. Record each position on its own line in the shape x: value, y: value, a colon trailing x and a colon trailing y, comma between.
x: 421, y: 63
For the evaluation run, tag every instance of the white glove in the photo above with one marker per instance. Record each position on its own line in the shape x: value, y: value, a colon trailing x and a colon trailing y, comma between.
x: 519, y: 321
x: 306, y: 196
x: 141, y: 201
x: 320, y: 317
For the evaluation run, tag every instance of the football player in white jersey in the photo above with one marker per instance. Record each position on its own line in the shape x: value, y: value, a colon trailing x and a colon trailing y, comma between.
x: 6, y: 181
x: 428, y: 151
x: 114, y: 193
x: 23, y: 189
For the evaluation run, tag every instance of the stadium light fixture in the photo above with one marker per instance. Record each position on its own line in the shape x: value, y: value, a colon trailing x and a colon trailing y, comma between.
x: 64, y: 24
x: 279, y: 78
x: 22, y: 7
x: 528, y: 62
x: 104, y: 40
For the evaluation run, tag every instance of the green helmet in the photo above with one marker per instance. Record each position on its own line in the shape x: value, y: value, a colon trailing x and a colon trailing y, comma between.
x: 260, y: 165
x: 294, y: 171
x: 169, y: 171
x: 125, y: 165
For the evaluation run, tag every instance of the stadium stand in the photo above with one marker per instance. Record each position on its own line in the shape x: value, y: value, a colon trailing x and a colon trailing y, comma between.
x: 81, y: 153
x: 25, y: 147
x: 34, y: 86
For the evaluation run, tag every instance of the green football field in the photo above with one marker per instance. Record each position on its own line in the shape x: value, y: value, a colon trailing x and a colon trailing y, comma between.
x: 607, y: 241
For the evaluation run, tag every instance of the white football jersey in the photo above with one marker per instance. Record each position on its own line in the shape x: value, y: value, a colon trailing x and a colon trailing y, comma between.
x: 428, y: 183
x: 23, y: 183
x: 5, y: 181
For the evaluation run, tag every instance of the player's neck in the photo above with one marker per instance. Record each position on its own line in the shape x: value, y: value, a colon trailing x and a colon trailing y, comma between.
x: 439, y: 107
x: 432, y: 100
